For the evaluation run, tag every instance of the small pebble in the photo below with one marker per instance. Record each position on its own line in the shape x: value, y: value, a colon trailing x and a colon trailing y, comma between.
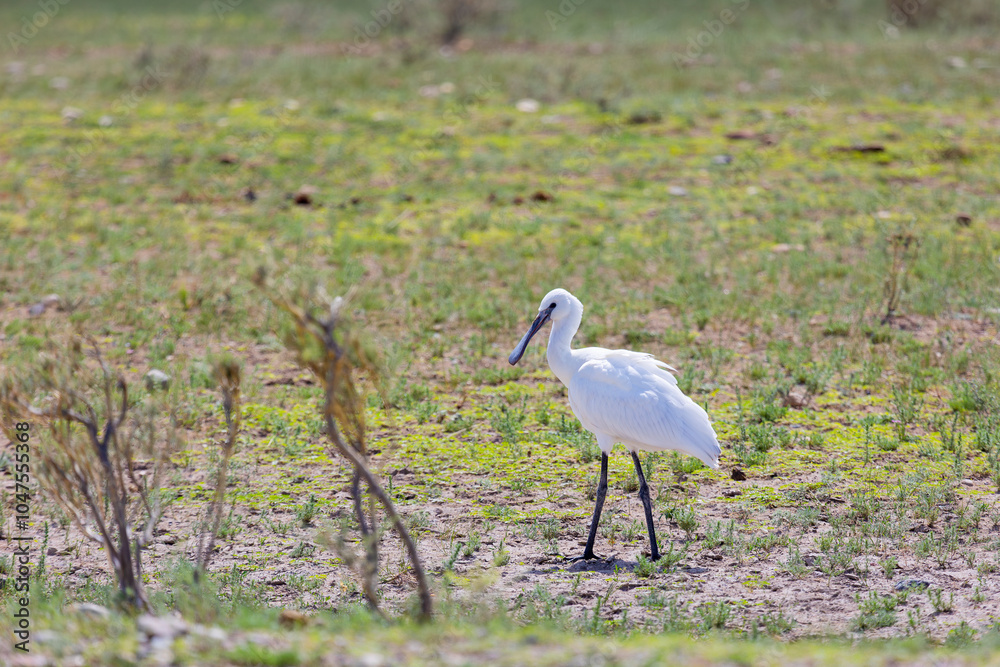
x: 161, y: 626
x: 371, y: 660
x: 156, y: 379
x: 528, y: 105
x: 912, y: 584
x: 218, y: 634
x: 47, y: 636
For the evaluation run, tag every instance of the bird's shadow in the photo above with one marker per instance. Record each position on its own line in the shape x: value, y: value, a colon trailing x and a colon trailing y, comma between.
x: 610, y: 564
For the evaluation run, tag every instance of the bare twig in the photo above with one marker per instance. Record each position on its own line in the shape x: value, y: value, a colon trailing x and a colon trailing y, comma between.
x: 324, y: 346
x: 87, y: 465
x: 227, y: 373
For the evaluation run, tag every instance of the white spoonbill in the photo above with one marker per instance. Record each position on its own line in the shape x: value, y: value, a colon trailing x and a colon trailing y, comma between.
x: 620, y: 396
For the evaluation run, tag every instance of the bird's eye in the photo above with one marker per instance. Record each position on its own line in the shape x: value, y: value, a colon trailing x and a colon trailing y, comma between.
x: 552, y: 305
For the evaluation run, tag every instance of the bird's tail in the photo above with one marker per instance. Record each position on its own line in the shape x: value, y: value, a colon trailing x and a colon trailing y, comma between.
x: 700, y: 440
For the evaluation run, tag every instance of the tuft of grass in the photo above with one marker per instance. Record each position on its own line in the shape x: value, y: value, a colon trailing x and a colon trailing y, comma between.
x: 472, y: 544
x: 961, y: 636
x: 714, y: 615
x: 941, y: 604
x: 889, y: 565
x: 307, y: 511
x: 644, y: 568
x: 774, y: 623
x: 768, y: 406
x: 687, y: 521
x: 876, y: 611
x: 501, y: 556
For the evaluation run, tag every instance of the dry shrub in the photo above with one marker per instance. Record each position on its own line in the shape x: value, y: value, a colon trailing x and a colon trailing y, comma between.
x: 101, y: 455
x: 324, y: 343
x: 227, y: 374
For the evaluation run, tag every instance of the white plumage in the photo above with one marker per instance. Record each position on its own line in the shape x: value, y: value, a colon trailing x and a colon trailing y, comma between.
x: 621, y: 396
x: 634, y: 401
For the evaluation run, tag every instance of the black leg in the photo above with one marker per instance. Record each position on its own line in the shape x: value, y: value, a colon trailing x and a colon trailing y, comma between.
x: 646, y: 505
x: 602, y: 491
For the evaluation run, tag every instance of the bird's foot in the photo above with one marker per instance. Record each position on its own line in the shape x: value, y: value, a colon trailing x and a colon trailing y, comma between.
x: 587, y: 555
x: 591, y: 556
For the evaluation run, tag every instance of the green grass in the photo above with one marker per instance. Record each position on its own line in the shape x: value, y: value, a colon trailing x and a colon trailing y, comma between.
x: 763, y: 265
x: 355, y: 635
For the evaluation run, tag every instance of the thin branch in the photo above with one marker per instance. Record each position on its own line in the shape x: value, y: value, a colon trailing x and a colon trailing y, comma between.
x: 376, y: 489
x: 343, y: 414
x: 88, y: 465
x: 228, y: 375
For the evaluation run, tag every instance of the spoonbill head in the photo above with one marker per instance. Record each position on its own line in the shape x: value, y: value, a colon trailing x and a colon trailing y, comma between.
x: 557, y: 306
x: 620, y: 396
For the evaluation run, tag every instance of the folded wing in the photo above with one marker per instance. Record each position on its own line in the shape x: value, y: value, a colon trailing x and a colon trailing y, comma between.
x: 632, y: 398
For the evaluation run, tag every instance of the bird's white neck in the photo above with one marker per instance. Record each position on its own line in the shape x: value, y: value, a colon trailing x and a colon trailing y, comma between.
x: 559, y: 353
